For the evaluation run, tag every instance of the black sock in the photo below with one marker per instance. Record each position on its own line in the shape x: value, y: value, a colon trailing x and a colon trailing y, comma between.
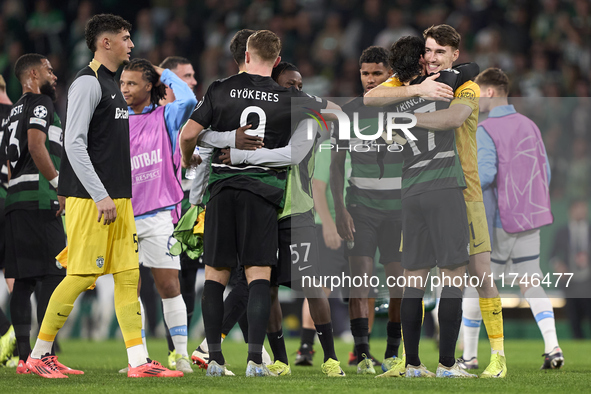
x: 20, y: 313
x: 450, y: 320
x: 187, y: 279
x: 243, y: 324
x: 308, y: 335
x: 411, y: 314
x: 235, y: 307
x: 277, y: 343
x: 212, y: 305
x: 326, y: 339
x: 4, y: 323
x: 46, y: 288
x: 22, y: 342
x: 258, y: 310
x: 394, y: 338
x: 360, y: 330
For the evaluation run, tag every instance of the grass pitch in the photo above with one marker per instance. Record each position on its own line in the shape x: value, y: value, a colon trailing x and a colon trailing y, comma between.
x: 102, y: 360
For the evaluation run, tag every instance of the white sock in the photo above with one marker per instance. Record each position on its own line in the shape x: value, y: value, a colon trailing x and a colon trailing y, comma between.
x: 175, y: 315
x: 136, y: 356
x: 541, y: 308
x: 203, y: 345
x: 143, y: 312
x: 471, y: 320
x: 267, y: 360
x: 41, y: 348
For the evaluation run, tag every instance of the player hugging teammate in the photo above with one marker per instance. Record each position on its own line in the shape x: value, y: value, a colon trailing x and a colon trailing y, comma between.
x: 420, y: 205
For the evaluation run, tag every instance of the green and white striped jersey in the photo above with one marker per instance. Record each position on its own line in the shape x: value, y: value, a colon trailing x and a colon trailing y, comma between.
x: 28, y: 188
x: 431, y: 162
x: 370, y: 185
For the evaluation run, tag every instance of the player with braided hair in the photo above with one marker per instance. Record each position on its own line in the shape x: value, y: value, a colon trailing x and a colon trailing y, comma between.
x: 156, y: 182
x: 150, y: 74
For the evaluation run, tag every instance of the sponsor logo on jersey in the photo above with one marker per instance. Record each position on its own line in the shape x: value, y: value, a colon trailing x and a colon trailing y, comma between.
x: 467, y: 93
x: 121, y: 113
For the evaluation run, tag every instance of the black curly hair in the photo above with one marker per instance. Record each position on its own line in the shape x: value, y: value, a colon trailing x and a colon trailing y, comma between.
x: 374, y: 54
x: 158, y: 91
x: 281, y: 68
x: 102, y: 23
x: 405, y: 57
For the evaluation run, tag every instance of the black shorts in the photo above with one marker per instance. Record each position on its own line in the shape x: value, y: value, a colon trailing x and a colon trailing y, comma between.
x: 375, y: 229
x: 298, y: 257
x: 332, y: 262
x: 435, y: 230
x: 240, y: 229
x: 33, y: 239
x: 188, y: 263
x: 237, y: 277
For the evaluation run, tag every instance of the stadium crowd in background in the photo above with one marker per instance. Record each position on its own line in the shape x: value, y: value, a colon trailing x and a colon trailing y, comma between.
x: 542, y: 49
x: 542, y: 45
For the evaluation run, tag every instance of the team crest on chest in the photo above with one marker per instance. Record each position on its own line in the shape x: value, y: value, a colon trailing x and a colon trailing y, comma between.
x: 100, y: 261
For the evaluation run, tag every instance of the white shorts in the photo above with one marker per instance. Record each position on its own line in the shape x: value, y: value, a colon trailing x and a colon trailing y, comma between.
x: 155, y: 240
x: 517, y: 253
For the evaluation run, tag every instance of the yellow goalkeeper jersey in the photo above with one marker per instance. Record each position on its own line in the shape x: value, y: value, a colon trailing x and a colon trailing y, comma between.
x: 392, y: 82
x: 468, y: 94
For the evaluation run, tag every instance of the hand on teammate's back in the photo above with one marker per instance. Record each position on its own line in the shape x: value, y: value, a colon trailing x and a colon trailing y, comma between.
x: 245, y: 141
x: 430, y: 88
x: 106, y: 207
x: 225, y: 156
